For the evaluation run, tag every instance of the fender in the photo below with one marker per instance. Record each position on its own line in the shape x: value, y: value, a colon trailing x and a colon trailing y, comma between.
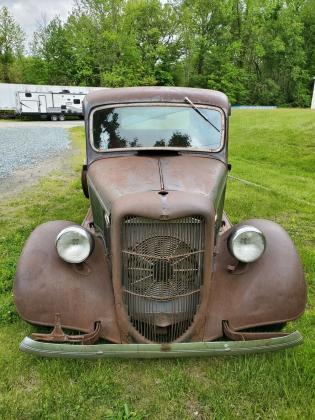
x: 45, y: 285
x: 268, y: 291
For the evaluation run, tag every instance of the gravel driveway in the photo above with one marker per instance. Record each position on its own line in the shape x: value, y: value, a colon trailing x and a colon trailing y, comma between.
x: 28, y: 148
x: 44, y: 123
x: 24, y: 147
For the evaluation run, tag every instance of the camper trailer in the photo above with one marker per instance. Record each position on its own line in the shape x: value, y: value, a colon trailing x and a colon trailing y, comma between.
x: 49, y: 104
x: 44, y: 101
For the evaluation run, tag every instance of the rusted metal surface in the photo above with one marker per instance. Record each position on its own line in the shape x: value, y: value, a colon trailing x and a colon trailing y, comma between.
x: 161, y: 270
x: 134, y: 174
x: 268, y: 291
x: 172, y: 206
x: 156, y: 94
x: 58, y: 335
x: 45, y: 285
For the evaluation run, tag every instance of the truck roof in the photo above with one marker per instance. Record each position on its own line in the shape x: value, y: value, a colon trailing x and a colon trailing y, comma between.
x: 156, y: 94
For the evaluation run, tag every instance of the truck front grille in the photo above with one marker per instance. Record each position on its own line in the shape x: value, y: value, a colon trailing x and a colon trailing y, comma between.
x: 162, y: 267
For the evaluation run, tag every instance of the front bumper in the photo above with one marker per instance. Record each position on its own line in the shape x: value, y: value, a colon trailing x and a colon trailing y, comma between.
x: 148, y: 351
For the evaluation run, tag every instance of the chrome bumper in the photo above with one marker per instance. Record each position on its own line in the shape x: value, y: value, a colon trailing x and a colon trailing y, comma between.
x: 147, y: 351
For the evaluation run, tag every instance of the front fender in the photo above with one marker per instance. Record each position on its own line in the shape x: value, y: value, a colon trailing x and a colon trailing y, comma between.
x: 45, y: 285
x: 268, y: 291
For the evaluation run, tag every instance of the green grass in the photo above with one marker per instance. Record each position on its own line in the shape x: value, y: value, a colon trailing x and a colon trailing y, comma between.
x: 271, y: 148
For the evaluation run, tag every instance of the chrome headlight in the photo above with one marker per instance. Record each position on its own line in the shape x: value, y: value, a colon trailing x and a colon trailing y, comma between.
x: 247, y: 244
x: 74, y: 244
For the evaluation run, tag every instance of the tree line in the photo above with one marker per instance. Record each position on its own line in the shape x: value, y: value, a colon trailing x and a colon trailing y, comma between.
x: 256, y: 51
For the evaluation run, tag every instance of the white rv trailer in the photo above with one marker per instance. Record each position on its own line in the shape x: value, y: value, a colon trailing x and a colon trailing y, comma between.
x: 52, y: 102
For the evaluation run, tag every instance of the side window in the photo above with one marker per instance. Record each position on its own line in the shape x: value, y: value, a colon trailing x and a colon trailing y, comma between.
x: 76, y: 101
x: 28, y: 95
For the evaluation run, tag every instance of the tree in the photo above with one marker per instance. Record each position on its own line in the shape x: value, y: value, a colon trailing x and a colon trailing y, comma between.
x: 11, y: 43
x: 308, y: 21
x: 257, y: 52
x: 53, y: 53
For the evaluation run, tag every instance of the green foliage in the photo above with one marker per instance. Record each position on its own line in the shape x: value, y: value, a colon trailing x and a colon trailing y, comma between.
x: 53, y: 53
x: 34, y: 70
x: 254, y: 51
x: 258, y: 52
x: 232, y: 84
x: 125, y: 76
x: 11, y: 43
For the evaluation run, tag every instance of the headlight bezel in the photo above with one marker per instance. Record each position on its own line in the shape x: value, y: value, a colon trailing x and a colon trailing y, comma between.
x: 236, y: 235
x: 80, y: 232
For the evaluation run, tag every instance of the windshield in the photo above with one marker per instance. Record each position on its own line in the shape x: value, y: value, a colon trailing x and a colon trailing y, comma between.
x: 157, y: 126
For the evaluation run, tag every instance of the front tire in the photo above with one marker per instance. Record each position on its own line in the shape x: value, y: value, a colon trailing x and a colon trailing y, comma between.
x: 61, y: 117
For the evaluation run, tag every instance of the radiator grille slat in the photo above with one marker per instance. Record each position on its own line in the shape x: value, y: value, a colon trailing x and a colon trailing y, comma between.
x: 162, y: 268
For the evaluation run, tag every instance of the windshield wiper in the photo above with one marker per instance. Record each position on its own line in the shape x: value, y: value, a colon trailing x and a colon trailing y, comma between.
x: 186, y: 99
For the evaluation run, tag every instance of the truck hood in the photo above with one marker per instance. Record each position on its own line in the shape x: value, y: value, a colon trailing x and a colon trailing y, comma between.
x: 114, y: 177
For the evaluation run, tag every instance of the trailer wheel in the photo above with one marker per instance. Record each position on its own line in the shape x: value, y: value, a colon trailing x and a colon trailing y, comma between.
x: 61, y: 117
x: 53, y: 118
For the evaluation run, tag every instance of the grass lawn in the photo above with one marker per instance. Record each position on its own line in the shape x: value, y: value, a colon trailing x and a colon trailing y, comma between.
x: 275, y: 149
